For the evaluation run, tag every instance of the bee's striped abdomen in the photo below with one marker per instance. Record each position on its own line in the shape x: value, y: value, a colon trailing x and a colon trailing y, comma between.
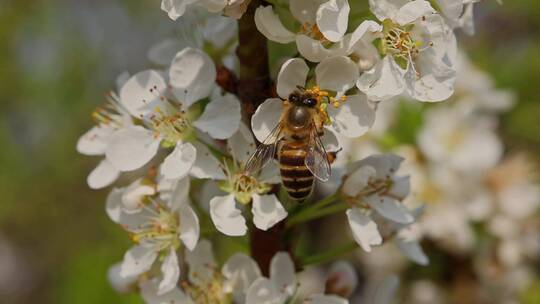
x: 295, y: 176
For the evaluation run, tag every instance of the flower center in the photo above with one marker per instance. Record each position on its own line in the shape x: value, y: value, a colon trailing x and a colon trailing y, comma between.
x: 313, y: 31
x: 241, y: 184
x: 161, y: 228
x: 400, y: 43
x: 171, y: 127
x: 208, y: 289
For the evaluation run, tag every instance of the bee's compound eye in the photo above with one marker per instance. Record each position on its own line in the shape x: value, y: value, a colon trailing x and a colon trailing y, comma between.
x: 293, y: 98
x: 310, y: 102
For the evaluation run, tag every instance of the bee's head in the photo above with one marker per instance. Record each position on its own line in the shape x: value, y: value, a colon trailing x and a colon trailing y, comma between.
x: 302, y: 99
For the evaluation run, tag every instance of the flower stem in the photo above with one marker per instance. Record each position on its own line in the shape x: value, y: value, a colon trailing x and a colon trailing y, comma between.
x: 329, y: 254
x: 303, y: 217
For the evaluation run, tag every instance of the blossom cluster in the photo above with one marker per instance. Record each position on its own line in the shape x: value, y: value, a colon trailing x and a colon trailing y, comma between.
x: 180, y: 140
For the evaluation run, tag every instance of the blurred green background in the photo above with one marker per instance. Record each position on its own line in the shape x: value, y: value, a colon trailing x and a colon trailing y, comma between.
x: 59, y: 58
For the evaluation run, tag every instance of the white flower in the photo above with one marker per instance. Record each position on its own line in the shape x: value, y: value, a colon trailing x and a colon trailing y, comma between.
x: 244, y: 189
x: 458, y: 14
x: 232, y: 8
x: 420, y: 53
x: 465, y: 142
x: 282, y: 284
x: 168, y: 117
x: 341, y: 279
x: 110, y: 118
x: 321, y: 24
x: 350, y: 116
x: 158, y: 229
x: 206, y: 282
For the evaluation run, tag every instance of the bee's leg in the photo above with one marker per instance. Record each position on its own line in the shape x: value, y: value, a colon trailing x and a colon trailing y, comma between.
x: 331, y: 156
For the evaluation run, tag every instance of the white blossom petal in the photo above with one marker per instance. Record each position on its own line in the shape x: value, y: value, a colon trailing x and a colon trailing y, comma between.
x: 313, y: 50
x: 364, y: 230
x: 383, y: 81
x: 352, y: 118
x: 305, y: 11
x: 390, y: 208
x: 413, y: 251
x: 113, y: 205
x: 120, y: 284
x: 283, y: 273
x: 270, y: 26
x: 178, y: 164
x: 134, y: 194
x: 262, y: 291
x: 214, y: 6
x: 175, y: 8
x: 163, y: 52
x: 386, y: 9
x: 192, y: 75
x: 200, y: 261
x: 266, y: 118
x: 137, y: 260
x: 293, y: 73
x: 267, y: 211
x: 226, y: 217
x: 241, y: 145
x: 338, y: 73
x: 412, y: 11
x: 94, y: 142
x: 358, y: 180
x: 132, y: 148
x: 386, y: 291
x: 149, y: 292
x: 221, y: 117
x: 333, y: 18
x: 342, y: 279
x: 325, y: 299
x: 240, y: 271
x: 171, y: 273
x: 103, y: 175
x: 206, y: 165
x: 142, y: 92
x: 189, y: 227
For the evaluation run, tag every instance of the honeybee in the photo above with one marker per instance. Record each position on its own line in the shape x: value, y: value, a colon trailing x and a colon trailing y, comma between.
x: 296, y: 143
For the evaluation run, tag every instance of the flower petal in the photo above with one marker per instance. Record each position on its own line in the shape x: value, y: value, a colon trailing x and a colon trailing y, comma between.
x: 282, y: 273
x: 163, y: 52
x: 241, y: 145
x: 200, y: 261
x: 189, y: 227
x: 266, y: 118
x: 206, y: 165
x: 192, y: 75
x: 262, y: 291
x: 358, y: 180
x: 103, y: 175
x: 270, y: 26
x: 120, y: 284
x: 338, y: 73
x: 94, y: 142
x: 412, y: 11
x: 214, y: 6
x: 386, y: 9
x: 364, y: 230
x: 313, y: 50
x: 383, y: 81
x: 137, y: 260
x: 305, y: 11
x: 267, y: 211
x: 226, y: 217
x: 333, y: 18
x: 150, y: 295
x: 175, y: 8
x: 240, y: 271
x: 390, y: 208
x: 178, y: 164
x: 134, y: 194
x: 342, y: 279
x: 386, y: 291
x: 142, y: 92
x: 132, y: 148
x: 221, y: 117
x: 365, y: 32
x: 171, y: 273
x: 413, y: 251
x: 352, y: 118
x: 325, y: 299
x: 293, y: 73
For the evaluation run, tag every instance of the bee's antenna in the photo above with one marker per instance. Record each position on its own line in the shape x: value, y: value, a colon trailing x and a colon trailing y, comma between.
x: 301, y: 88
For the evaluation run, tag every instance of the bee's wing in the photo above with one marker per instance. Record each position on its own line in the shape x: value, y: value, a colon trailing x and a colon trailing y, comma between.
x: 265, y: 151
x: 316, y: 157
